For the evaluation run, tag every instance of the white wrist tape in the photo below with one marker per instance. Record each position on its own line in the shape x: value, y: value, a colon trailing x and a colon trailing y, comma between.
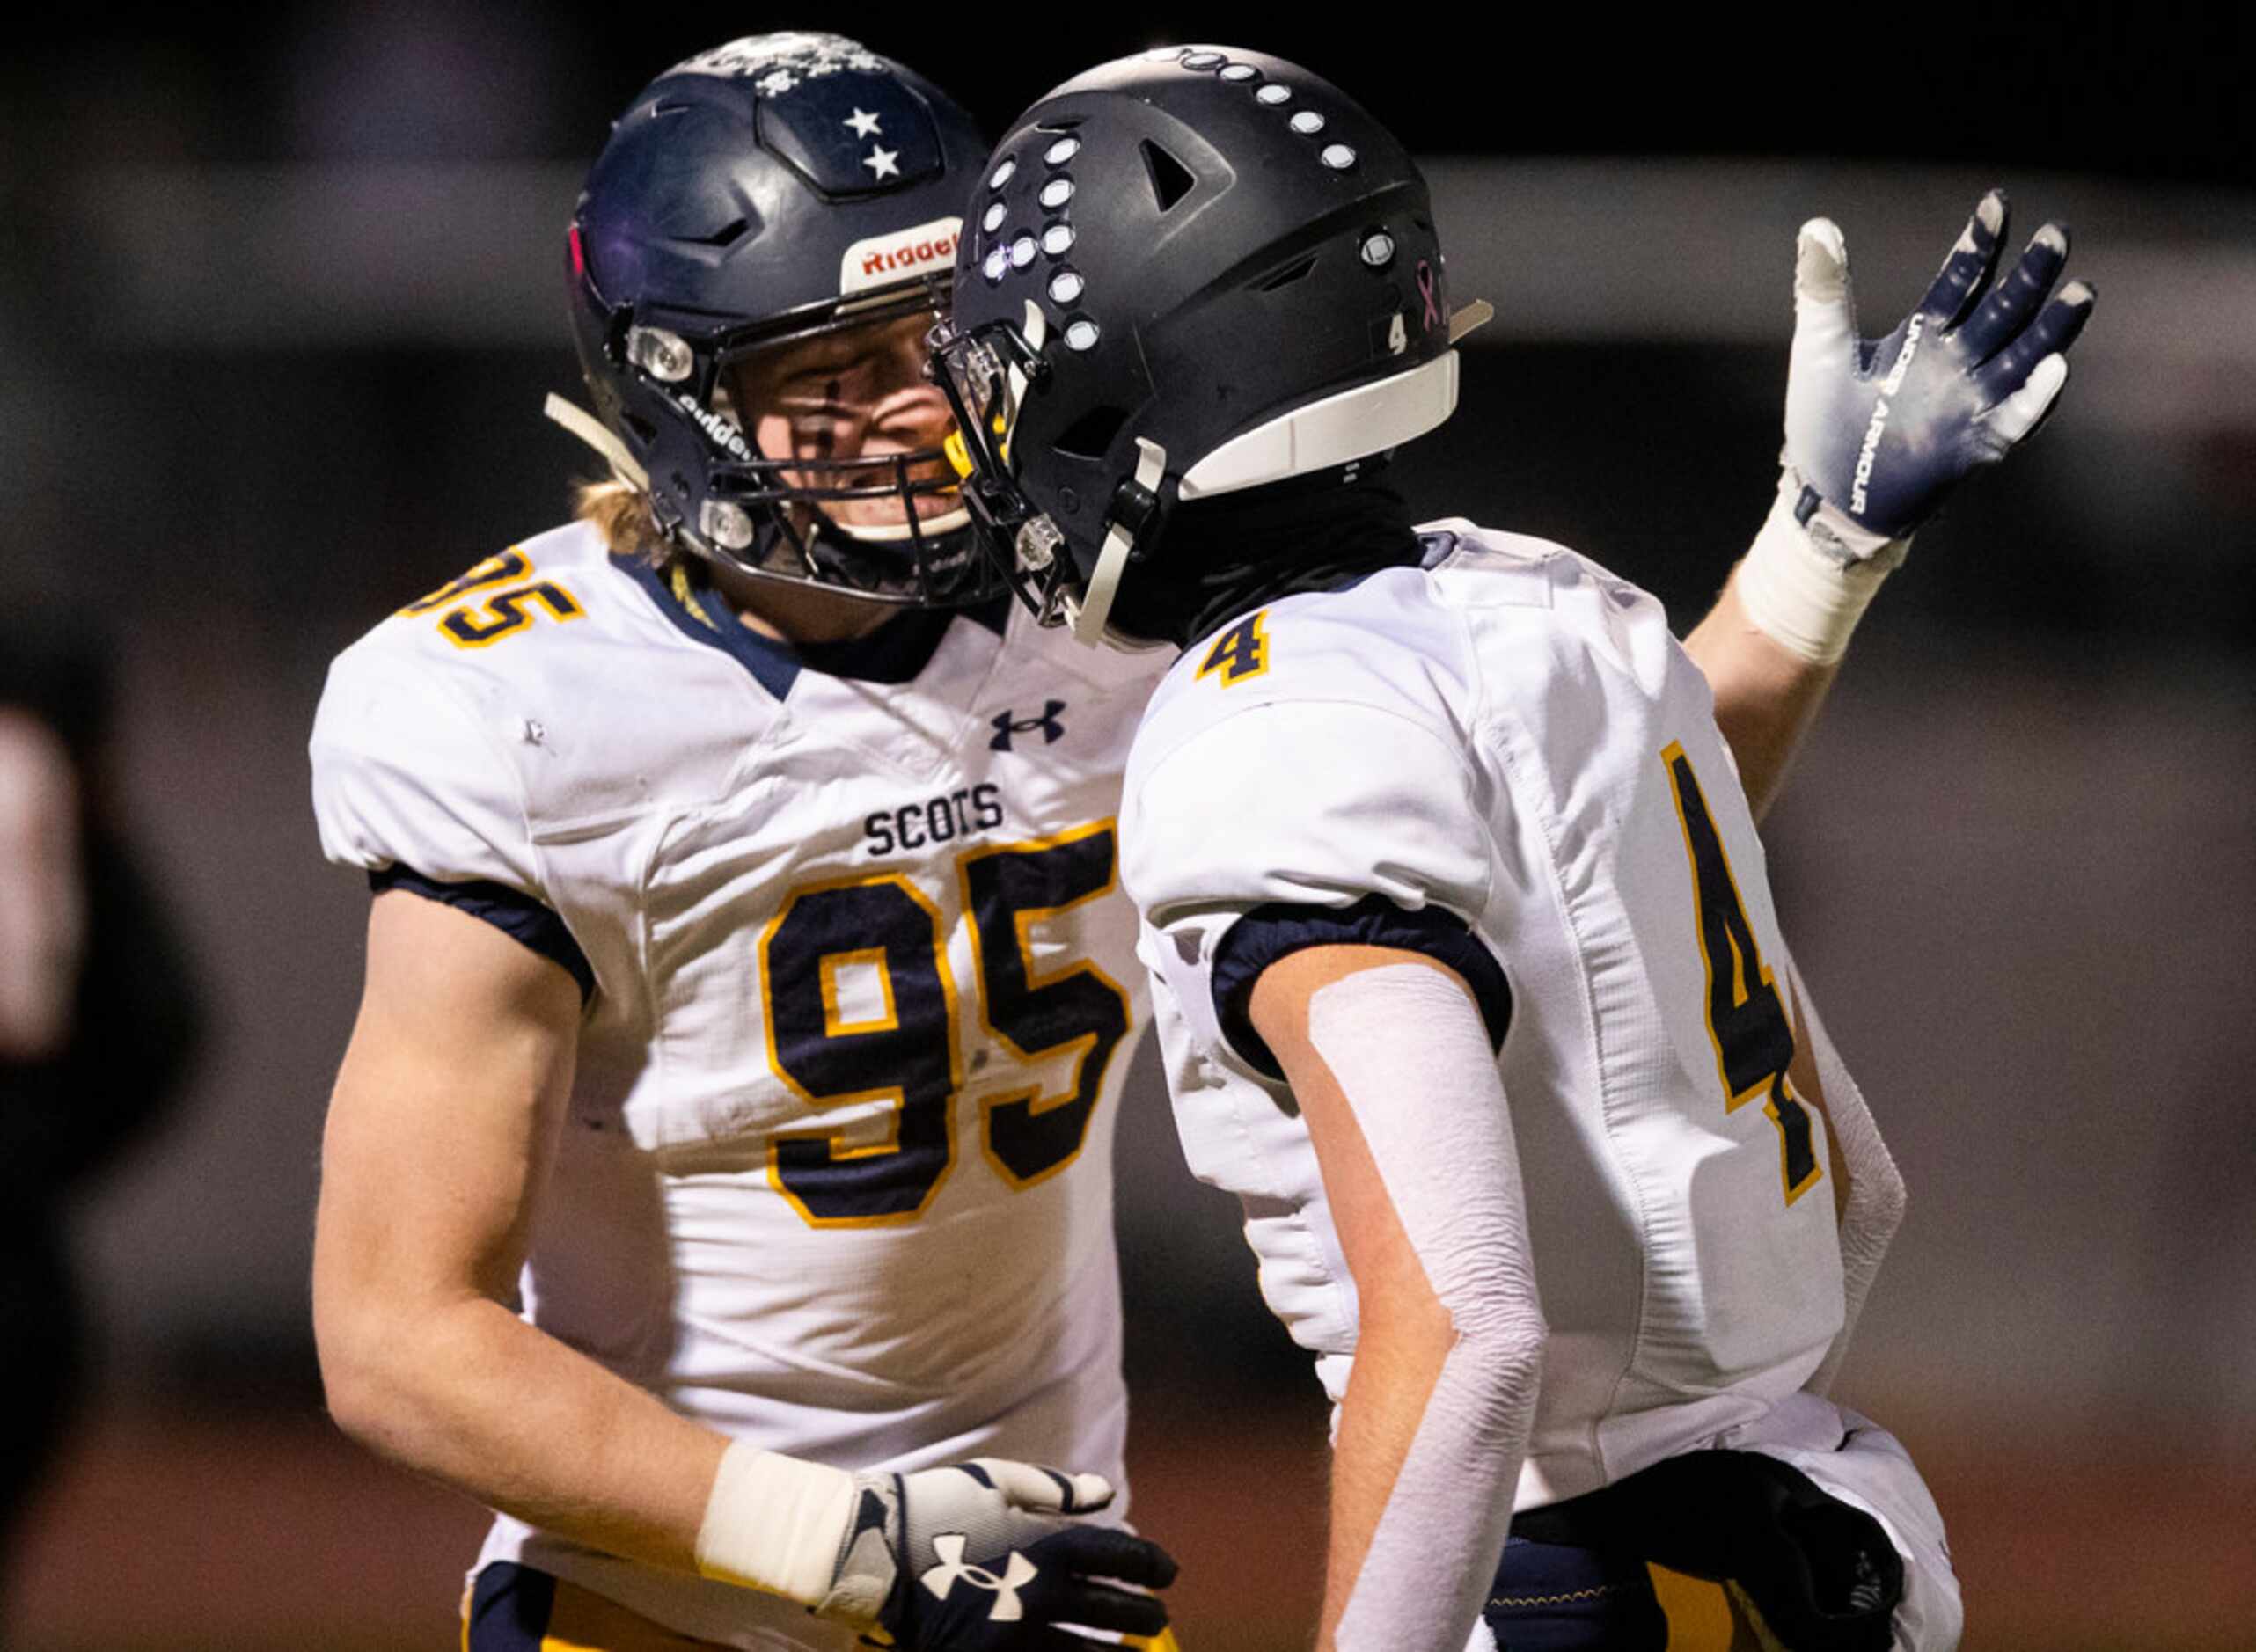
x: 774, y: 1523
x: 1805, y: 585
x: 1411, y: 1055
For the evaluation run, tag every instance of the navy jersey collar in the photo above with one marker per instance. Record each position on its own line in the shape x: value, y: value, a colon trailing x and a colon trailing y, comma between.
x: 897, y: 652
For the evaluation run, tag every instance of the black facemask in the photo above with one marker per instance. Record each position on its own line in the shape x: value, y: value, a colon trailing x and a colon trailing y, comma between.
x: 1220, y: 557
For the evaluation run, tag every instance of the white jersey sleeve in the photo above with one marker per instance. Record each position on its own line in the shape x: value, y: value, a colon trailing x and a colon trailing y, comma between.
x: 1247, y: 835
x: 1259, y: 808
x: 402, y: 777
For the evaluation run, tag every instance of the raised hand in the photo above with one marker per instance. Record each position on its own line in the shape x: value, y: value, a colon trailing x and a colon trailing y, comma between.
x: 1879, y: 431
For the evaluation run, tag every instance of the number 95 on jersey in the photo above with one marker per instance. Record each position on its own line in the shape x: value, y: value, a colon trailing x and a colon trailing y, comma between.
x: 882, y: 1030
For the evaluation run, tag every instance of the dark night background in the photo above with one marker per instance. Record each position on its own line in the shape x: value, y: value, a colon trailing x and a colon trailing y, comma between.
x: 280, y: 296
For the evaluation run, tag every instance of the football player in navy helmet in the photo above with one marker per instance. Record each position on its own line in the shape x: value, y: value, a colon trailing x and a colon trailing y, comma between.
x: 754, y: 261
x: 1445, y: 867
x: 714, y: 1186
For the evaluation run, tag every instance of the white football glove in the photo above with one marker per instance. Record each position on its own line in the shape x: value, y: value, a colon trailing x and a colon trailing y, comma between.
x: 1879, y: 431
x: 982, y: 1557
x: 1883, y: 430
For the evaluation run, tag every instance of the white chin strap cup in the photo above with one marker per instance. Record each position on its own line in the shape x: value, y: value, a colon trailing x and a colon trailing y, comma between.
x: 1352, y: 425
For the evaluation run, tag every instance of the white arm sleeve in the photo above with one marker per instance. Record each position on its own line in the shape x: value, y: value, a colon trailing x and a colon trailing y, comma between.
x: 1412, y: 1057
x: 1875, y: 1205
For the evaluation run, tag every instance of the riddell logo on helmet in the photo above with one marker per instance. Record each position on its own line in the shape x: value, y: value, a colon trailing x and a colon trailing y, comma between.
x: 723, y: 434
x: 882, y: 260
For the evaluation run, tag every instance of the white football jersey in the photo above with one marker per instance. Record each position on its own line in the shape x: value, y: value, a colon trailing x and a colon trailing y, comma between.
x: 1508, y: 741
x: 837, y: 1174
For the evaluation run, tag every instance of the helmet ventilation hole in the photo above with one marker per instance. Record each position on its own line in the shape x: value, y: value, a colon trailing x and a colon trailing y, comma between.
x: 1290, y: 274
x: 1090, y: 436
x: 1171, y: 179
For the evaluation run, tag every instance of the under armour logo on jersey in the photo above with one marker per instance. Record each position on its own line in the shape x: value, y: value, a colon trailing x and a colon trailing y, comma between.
x: 942, y: 1578
x: 1006, y: 726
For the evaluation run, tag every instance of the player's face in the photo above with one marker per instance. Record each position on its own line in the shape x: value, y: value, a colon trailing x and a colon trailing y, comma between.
x: 857, y: 393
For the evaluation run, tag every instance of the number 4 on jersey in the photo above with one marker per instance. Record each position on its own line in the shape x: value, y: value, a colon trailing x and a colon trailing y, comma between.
x: 1239, y: 652
x: 1746, y: 1022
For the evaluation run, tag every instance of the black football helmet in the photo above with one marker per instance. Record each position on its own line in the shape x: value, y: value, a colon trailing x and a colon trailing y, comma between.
x: 1191, y: 272
x: 778, y: 188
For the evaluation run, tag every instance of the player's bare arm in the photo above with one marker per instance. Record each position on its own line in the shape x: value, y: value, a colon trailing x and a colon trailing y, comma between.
x: 1388, y: 1044
x: 1766, y: 698
x: 440, y: 1132
x: 1879, y: 432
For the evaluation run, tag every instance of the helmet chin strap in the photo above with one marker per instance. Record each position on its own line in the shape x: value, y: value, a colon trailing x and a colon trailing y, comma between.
x: 1088, y: 614
x: 592, y: 431
x: 1467, y: 317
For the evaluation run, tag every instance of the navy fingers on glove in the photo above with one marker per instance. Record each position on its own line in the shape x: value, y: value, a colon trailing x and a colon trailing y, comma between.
x: 1882, y: 429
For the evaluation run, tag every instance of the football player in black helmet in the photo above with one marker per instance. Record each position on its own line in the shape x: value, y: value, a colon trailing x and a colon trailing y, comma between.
x: 1427, y: 821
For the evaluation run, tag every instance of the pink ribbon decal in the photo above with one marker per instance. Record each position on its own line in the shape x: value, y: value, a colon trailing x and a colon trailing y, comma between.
x: 1426, y: 291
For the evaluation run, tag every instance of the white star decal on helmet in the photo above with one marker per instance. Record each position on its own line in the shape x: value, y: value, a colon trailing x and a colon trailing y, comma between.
x: 882, y: 162
x: 864, y: 124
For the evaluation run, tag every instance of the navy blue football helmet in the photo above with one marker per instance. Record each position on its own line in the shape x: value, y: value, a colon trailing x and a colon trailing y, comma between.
x: 773, y: 190
x: 1192, y: 272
